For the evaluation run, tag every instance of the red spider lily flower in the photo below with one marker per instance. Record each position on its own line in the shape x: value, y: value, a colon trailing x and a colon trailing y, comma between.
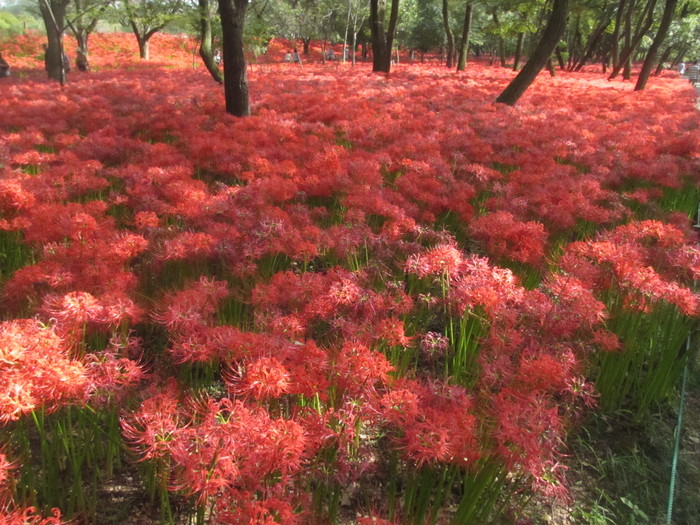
x: 151, y: 431
x: 35, y: 370
x: 111, y: 377
x: 438, y: 261
x: 436, y: 421
x: 265, y: 378
x: 527, y: 431
x: 506, y: 237
x: 6, y: 486
x: 29, y: 516
x: 647, y: 261
x: 360, y: 369
x: 246, y: 510
x: 392, y: 330
x: 193, y: 306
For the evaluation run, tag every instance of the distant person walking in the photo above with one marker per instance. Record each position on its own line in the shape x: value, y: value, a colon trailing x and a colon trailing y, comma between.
x: 693, y: 72
x: 681, y: 68
x: 4, y: 67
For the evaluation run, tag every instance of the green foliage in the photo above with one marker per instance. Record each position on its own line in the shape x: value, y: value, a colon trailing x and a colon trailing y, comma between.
x: 15, y: 24
x: 427, y: 32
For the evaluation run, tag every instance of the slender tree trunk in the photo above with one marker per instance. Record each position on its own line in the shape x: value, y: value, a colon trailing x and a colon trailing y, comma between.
x: 680, y: 55
x: 560, y: 58
x: 345, y: 38
x: 542, y: 53
x: 518, y: 51
x: 464, y: 42
x: 448, y: 33
x: 666, y: 20
x: 235, y: 78
x: 626, y: 55
x: 205, y: 41
x: 354, y: 47
x: 627, y: 35
x: 615, y: 39
x: 596, y: 37
x: 664, y: 59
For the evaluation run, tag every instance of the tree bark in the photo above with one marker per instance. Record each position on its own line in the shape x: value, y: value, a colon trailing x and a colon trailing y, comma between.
x: 615, y: 39
x: 593, y: 42
x: 448, y: 33
x: 53, y: 13
x: 626, y: 54
x: 664, y: 58
x: 382, y: 40
x: 542, y: 53
x: 625, y: 58
x: 518, y: 51
x: 205, y: 42
x: 560, y: 58
x: 235, y: 77
x: 144, y: 48
x: 666, y: 20
x: 464, y: 42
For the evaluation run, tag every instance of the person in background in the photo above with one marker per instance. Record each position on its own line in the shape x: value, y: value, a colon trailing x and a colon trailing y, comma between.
x: 681, y: 68
x: 4, y: 67
x: 295, y: 56
x: 217, y: 57
x: 331, y: 54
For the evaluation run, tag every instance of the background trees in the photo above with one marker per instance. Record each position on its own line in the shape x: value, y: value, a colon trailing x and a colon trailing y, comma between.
x: 147, y: 17
x: 611, y: 33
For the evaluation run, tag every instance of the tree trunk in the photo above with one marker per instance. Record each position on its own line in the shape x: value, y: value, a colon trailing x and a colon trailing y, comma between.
x: 542, y: 53
x: 560, y: 58
x: 448, y: 34
x: 627, y: 35
x: 626, y: 54
x: 205, y: 42
x: 306, y: 42
x: 518, y: 51
x: 615, y: 41
x: 664, y: 58
x: 144, y: 48
x: 235, y: 78
x: 53, y: 13
x: 464, y: 42
x: 382, y: 40
x: 666, y: 20
x: 81, y: 38
x: 596, y: 37
x: 501, y: 41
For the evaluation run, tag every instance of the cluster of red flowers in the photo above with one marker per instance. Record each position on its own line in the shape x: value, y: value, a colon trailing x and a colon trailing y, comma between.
x: 334, y: 265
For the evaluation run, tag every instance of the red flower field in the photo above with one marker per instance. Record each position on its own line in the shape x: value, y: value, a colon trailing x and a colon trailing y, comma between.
x: 379, y: 299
